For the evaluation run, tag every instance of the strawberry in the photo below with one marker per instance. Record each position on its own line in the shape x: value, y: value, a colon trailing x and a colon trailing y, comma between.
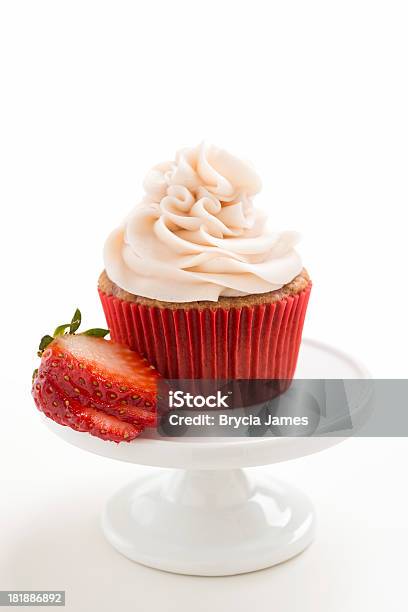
x: 81, y: 418
x: 94, y: 385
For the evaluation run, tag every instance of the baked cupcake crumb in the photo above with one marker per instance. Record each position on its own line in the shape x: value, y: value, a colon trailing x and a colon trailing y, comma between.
x: 298, y: 284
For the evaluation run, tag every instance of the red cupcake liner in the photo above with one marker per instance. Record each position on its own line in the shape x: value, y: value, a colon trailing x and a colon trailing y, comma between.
x: 260, y: 341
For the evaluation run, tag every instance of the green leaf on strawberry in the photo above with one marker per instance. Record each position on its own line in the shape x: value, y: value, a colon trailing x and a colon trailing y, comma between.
x: 97, y: 332
x: 75, y: 322
x: 45, y: 341
x: 72, y: 327
x: 60, y: 330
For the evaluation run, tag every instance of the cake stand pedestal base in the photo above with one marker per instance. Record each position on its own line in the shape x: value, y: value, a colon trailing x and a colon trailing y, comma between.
x: 209, y: 522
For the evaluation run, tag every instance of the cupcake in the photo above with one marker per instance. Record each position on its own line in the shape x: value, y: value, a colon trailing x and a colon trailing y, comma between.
x: 196, y: 282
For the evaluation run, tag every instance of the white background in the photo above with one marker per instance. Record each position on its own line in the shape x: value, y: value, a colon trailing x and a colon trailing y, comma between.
x: 92, y: 94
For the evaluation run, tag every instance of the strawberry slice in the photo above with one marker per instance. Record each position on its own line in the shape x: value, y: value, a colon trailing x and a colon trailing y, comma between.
x: 79, y: 417
x: 95, y: 385
x: 102, y: 374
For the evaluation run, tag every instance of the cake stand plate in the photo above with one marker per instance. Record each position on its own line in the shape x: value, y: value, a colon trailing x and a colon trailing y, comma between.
x: 209, y: 517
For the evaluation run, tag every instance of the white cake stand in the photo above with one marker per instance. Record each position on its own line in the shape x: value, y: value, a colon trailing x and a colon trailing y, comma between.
x: 209, y: 517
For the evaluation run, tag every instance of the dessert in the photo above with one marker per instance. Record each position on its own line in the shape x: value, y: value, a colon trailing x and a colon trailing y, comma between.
x: 94, y: 385
x: 195, y: 286
x: 196, y: 282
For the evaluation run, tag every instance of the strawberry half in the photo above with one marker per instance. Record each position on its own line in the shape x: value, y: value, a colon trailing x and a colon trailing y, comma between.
x: 95, y: 385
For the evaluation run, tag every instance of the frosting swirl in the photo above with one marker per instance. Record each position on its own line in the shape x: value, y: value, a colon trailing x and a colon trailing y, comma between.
x: 196, y: 234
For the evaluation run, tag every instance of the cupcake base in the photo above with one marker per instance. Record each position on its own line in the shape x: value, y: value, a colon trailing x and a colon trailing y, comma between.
x: 248, y: 337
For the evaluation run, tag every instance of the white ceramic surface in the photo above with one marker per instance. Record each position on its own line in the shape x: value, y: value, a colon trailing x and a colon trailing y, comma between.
x: 208, y: 523
x: 209, y: 517
x: 316, y: 360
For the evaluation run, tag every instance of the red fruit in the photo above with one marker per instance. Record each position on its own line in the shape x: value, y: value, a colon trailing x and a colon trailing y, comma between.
x: 78, y: 417
x: 103, y: 375
x: 95, y: 385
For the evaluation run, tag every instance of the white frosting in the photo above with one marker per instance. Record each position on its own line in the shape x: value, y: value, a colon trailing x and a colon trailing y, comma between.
x: 196, y: 235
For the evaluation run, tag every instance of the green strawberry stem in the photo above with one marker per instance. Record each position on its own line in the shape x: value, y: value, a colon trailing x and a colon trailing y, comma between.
x: 72, y: 328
